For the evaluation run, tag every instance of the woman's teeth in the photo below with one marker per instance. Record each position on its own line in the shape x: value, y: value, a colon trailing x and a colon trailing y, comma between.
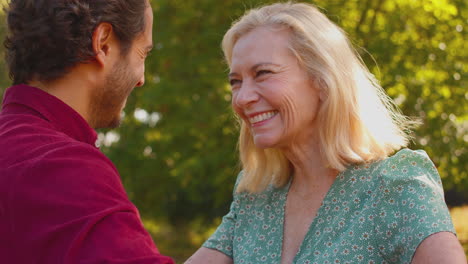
x: 262, y: 117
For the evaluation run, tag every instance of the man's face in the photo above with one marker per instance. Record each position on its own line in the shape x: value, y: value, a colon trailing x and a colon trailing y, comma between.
x: 128, y: 73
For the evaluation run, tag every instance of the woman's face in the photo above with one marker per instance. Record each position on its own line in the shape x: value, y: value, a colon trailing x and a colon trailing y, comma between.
x: 271, y: 92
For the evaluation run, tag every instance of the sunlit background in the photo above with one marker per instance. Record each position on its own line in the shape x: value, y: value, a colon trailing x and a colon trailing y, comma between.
x: 176, y: 149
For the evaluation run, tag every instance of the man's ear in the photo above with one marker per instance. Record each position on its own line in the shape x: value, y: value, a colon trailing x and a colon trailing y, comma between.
x: 103, y: 42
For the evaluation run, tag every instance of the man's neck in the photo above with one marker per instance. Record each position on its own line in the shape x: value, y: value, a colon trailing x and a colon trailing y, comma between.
x: 73, y: 89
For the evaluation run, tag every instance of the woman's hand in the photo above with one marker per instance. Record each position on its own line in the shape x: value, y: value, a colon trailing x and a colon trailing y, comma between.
x: 209, y: 256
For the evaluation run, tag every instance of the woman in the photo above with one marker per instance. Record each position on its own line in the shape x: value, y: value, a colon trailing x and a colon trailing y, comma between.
x: 321, y: 182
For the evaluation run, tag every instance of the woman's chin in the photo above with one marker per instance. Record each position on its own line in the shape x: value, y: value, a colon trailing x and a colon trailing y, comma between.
x: 264, y: 142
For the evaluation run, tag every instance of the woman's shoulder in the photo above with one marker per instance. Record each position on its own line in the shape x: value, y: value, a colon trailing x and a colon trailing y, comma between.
x: 408, y: 163
x: 404, y: 156
x: 403, y: 164
x: 410, y: 168
x: 404, y: 168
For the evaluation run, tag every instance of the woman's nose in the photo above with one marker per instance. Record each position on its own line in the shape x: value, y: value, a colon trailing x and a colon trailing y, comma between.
x: 246, y: 94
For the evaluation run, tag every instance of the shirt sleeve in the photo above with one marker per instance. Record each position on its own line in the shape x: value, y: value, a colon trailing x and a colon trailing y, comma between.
x: 411, y: 206
x: 70, y: 207
x: 222, y: 238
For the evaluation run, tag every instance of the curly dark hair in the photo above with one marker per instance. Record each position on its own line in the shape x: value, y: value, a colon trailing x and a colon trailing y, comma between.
x: 46, y: 38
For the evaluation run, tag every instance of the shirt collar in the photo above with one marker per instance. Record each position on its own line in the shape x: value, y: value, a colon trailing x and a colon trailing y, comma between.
x: 52, y: 109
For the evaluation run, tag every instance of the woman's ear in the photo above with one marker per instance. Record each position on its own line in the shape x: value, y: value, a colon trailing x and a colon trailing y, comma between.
x: 321, y: 88
x: 103, y: 41
x: 323, y: 94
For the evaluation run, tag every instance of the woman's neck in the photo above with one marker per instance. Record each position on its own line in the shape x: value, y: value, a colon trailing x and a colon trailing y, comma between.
x: 310, y: 170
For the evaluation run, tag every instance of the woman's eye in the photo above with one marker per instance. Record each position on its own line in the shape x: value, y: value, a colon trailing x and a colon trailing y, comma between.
x: 234, y: 82
x: 262, y: 72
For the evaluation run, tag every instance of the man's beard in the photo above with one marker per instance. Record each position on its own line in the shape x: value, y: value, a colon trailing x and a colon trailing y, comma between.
x: 108, y: 102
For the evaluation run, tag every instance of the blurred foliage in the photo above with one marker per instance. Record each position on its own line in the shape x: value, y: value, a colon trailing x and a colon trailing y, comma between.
x: 176, y: 150
x: 459, y: 216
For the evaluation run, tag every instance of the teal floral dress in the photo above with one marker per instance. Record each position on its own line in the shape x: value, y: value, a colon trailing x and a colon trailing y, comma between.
x: 373, y: 213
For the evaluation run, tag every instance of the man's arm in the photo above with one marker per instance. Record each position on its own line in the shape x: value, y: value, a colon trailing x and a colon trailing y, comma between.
x: 70, y: 207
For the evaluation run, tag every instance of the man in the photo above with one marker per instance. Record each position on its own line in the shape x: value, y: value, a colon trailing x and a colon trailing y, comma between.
x: 73, y: 64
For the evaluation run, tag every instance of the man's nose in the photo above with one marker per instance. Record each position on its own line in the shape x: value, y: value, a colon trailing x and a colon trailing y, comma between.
x: 141, y: 81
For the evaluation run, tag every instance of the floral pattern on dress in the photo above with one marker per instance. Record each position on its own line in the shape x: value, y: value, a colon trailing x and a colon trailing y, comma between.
x: 373, y: 213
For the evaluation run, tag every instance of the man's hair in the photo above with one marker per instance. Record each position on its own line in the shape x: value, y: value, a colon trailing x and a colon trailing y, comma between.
x: 359, y: 123
x: 46, y: 38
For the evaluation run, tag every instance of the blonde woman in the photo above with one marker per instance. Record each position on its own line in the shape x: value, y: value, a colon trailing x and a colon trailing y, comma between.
x: 326, y: 178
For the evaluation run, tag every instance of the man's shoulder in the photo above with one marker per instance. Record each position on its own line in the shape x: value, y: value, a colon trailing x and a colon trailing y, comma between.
x: 25, y: 128
x: 40, y: 157
x: 30, y: 141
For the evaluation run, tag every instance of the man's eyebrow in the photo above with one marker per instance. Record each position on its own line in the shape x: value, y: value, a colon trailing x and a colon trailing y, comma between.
x: 253, y: 68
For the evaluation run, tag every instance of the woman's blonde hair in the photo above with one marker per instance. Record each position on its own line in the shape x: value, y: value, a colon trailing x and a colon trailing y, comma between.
x: 358, y: 122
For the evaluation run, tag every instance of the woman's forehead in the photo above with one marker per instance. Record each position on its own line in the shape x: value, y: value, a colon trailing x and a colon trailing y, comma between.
x: 261, y: 44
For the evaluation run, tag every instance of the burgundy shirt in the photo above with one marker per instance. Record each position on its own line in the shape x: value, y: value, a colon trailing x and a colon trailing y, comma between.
x: 61, y: 199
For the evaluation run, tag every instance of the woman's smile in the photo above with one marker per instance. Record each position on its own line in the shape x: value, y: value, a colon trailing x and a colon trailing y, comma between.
x: 259, y: 119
